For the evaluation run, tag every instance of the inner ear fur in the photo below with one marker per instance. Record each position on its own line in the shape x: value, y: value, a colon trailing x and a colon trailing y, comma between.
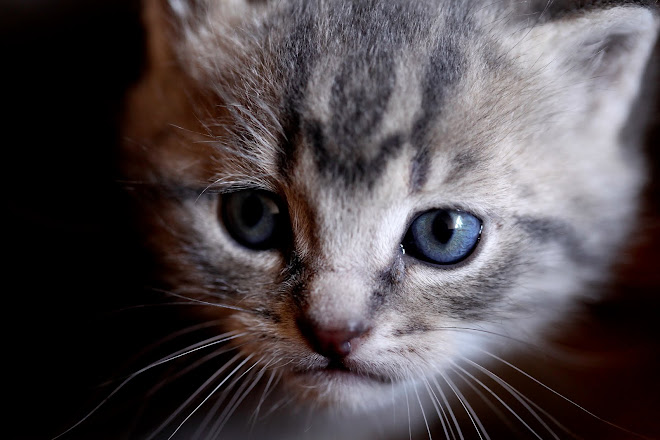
x: 604, y: 51
x: 613, y: 45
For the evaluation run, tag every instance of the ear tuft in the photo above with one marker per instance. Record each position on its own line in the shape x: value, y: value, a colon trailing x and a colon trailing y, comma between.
x: 605, y: 50
x: 593, y: 61
x: 614, y: 45
x: 186, y: 10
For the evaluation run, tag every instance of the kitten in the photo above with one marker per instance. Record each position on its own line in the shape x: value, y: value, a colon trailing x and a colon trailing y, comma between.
x: 363, y: 196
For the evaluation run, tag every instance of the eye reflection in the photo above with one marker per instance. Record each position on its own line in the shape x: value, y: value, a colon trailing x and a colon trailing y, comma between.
x: 443, y: 236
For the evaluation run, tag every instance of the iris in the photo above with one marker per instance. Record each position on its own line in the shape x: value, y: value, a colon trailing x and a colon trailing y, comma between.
x: 443, y: 236
x: 253, y: 218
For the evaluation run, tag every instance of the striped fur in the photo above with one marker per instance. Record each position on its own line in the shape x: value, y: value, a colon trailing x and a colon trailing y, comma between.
x: 361, y: 114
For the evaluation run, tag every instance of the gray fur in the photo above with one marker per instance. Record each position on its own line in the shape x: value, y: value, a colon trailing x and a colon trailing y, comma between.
x: 362, y: 114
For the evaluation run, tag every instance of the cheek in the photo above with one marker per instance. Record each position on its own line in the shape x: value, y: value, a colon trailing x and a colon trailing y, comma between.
x: 409, y: 343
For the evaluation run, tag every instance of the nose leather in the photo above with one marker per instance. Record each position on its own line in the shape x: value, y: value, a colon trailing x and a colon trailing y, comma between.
x: 335, y: 343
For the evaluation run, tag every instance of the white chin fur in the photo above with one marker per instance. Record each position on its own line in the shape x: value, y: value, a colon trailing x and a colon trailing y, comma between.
x: 343, y: 392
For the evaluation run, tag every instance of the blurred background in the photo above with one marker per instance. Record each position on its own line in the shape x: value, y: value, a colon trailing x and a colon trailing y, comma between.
x: 71, y: 253
x: 75, y: 269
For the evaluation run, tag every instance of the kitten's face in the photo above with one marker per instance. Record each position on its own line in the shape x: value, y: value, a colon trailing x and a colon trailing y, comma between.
x: 370, y: 190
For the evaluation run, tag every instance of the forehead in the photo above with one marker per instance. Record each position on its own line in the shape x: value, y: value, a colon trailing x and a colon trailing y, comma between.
x: 336, y: 91
x: 363, y: 82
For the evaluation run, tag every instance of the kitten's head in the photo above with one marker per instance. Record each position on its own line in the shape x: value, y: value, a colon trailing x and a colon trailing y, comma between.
x: 365, y: 188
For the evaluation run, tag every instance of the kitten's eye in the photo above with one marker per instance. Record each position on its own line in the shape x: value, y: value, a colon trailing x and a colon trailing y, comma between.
x: 443, y: 236
x: 253, y: 218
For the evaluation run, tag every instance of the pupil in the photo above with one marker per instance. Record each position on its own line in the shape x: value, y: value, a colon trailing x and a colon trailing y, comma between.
x: 443, y: 227
x: 252, y: 211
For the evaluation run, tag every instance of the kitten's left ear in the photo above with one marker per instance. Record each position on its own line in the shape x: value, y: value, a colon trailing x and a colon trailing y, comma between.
x: 605, y: 50
x: 615, y: 44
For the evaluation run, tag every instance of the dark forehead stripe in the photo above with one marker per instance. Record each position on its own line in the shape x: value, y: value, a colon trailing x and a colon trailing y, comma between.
x: 368, y: 36
x: 360, y: 94
x: 351, y: 169
x: 372, y: 35
x: 298, y: 54
x: 345, y: 148
x: 462, y: 165
x: 445, y: 67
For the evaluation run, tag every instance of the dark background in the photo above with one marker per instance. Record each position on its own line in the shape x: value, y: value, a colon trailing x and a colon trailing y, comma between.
x: 74, y: 266
x: 72, y: 257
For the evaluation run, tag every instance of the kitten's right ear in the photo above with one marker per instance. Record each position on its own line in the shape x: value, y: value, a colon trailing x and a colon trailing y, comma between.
x: 184, y: 13
x: 184, y: 8
x: 189, y: 12
x: 162, y: 96
x: 192, y: 26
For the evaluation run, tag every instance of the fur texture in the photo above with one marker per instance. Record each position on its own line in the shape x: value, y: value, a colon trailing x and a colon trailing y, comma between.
x: 360, y: 115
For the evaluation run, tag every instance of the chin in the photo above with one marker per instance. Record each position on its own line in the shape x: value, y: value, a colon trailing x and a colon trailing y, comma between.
x: 343, y: 391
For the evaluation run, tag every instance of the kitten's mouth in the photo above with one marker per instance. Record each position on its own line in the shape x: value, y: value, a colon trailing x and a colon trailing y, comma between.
x: 342, y: 388
x: 340, y: 371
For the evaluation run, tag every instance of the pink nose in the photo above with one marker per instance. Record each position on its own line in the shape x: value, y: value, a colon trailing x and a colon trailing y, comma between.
x: 333, y: 343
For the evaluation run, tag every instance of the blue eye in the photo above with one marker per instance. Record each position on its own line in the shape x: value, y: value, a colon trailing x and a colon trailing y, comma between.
x: 443, y: 236
x: 253, y: 218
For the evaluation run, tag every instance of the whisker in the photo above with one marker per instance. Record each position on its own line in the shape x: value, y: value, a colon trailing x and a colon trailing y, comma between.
x: 187, y: 130
x: 247, y: 359
x: 213, y: 411
x: 174, y: 335
x: 449, y: 409
x: 511, y: 410
x: 500, y: 414
x: 215, y: 340
x: 187, y: 402
x: 408, y: 408
x: 548, y: 350
x: 492, y: 333
x: 183, y: 372
x: 192, y: 367
x: 178, y: 333
x: 245, y: 389
x: 476, y: 422
x: 421, y: 407
x: 558, y: 394
x: 393, y: 402
x: 519, y: 395
x: 195, y: 347
x: 442, y: 416
x: 256, y: 380
x: 211, y: 414
x: 267, y: 390
x: 201, y: 302
x: 284, y: 401
x: 155, y: 305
